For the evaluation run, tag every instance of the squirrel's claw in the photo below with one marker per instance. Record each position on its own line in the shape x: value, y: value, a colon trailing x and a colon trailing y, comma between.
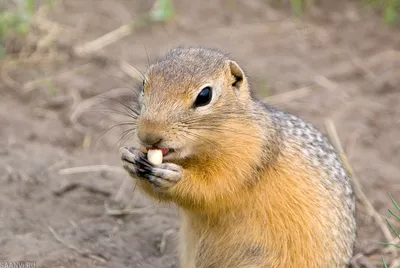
x: 161, y: 176
x: 164, y: 175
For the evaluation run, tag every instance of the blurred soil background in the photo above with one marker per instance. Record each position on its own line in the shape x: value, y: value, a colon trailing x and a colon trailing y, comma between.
x: 67, y: 64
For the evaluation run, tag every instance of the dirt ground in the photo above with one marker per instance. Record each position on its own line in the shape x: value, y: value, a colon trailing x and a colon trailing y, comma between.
x: 342, y: 60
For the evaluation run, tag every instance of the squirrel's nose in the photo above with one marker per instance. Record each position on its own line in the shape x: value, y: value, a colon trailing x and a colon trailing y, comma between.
x: 149, y: 138
x: 150, y: 131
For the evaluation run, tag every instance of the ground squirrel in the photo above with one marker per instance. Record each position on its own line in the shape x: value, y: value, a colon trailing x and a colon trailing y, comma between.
x: 256, y: 186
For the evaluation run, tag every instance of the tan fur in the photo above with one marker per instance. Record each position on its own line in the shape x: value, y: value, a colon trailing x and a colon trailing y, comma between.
x: 291, y: 206
x: 235, y: 215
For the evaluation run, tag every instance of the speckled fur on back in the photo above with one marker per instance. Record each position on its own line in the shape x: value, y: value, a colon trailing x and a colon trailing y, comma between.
x: 321, y: 156
x: 317, y: 149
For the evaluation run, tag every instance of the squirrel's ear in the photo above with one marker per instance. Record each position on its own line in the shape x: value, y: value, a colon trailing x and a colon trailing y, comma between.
x: 237, y: 74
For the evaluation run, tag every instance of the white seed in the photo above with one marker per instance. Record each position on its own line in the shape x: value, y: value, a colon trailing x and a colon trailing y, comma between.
x: 155, y: 156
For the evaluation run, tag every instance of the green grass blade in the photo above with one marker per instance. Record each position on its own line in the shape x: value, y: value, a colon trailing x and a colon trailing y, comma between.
x: 394, y: 202
x: 297, y: 7
x: 3, y: 52
x: 390, y: 15
x: 394, y: 230
x: 390, y: 225
x: 389, y: 244
x: 29, y: 6
x: 163, y: 11
x: 49, y: 3
x: 384, y: 262
x: 394, y: 215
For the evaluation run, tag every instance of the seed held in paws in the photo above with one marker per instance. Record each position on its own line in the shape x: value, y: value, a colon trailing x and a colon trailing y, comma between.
x: 155, y: 156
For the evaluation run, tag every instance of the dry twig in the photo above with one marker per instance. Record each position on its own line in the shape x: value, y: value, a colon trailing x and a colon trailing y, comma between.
x: 11, y: 64
x: 81, y: 252
x: 326, y: 83
x: 163, y: 243
x: 95, y: 168
x: 283, y: 98
x: 103, y: 41
x: 121, y: 189
x: 387, y: 55
x: 30, y: 85
x: 131, y: 71
x: 109, y: 38
x: 331, y: 129
x: 65, y: 189
x: 124, y: 211
x: 360, y: 259
x: 90, y: 102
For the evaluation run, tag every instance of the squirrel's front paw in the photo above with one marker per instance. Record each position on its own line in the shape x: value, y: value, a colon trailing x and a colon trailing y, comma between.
x: 161, y: 176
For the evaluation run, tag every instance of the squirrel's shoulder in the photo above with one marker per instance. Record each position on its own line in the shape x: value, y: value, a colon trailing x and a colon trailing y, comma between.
x: 293, y: 130
x: 314, y: 146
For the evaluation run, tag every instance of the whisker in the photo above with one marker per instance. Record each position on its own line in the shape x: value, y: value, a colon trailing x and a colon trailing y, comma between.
x: 224, y: 130
x: 112, y: 127
x: 147, y: 55
x: 198, y: 136
x: 132, y: 72
x: 148, y: 59
x: 126, y: 80
x: 127, y: 106
x: 127, y: 133
x: 114, y: 111
x: 217, y: 118
x: 127, y: 138
x: 216, y: 127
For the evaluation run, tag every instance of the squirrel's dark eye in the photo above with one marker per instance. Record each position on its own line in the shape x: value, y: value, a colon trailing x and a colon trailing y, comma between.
x: 204, y: 97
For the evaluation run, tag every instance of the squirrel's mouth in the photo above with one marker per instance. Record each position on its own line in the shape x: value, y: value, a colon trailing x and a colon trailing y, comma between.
x: 165, y: 151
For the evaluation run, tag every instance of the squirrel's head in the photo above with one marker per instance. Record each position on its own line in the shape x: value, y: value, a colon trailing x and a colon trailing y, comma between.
x: 192, y: 101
